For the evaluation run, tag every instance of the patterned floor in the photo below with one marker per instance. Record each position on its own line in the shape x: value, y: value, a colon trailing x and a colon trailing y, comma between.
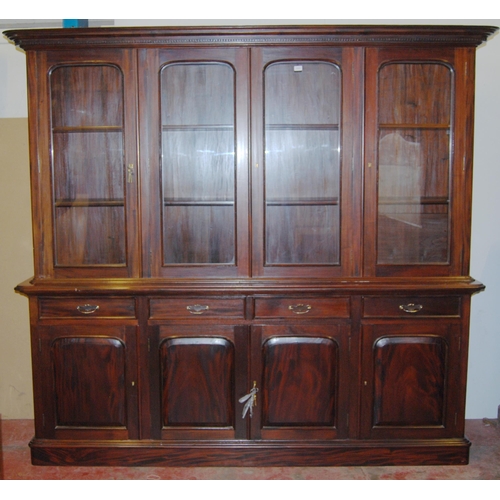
x: 484, y: 464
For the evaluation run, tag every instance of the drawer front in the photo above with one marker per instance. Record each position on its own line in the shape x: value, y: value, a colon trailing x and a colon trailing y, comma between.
x: 408, y: 306
x: 302, y: 307
x: 192, y: 308
x: 87, y: 307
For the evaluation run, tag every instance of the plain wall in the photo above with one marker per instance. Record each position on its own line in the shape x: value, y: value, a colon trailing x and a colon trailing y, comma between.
x: 483, y: 390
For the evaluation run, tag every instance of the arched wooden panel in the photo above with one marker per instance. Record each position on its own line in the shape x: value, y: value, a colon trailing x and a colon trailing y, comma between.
x: 409, y: 381
x: 89, y: 381
x: 300, y: 381
x: 197, y: 382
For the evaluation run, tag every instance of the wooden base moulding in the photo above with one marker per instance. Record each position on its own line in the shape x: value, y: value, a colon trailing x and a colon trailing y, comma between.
x: 239, y: 454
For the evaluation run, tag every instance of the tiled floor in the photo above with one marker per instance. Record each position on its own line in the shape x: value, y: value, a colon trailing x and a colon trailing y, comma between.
x: 484, y: 463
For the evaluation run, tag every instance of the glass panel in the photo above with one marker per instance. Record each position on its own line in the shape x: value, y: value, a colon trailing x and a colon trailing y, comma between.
x: 302, y: 234
x: 199, y: 233
x: 88, y: 235
x: 88, y: 165
x: 414, y: 163
x: 198, y: 163
x: 302, y: 163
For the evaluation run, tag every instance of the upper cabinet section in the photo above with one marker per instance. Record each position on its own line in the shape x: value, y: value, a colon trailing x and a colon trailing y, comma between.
x: 194, y: 147
x: 303, y: 192
x: 87, y: 118
x: 418, y: 161
x: 86, y: 187
x: 314, y: 152
x: 414, y: 144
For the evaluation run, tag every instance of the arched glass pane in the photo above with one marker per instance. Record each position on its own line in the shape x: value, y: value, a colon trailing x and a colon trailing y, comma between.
x: 88, y: 165
x: 198, y: 163
x: 414, y: 102
x: 302, y: 163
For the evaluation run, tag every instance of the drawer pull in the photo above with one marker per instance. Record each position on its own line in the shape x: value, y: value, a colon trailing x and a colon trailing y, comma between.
x: 300, y: 308
x: 411, y: 308
x: 197, y: 309
x: 87, y: 309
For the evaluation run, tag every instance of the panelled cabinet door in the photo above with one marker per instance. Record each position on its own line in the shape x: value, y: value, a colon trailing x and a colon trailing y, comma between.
x: 86, y: 192
x: 301, y: 374
x: 86, y: 382
x: 411, y: 380
x: 417, y: 170
x: 305, y: 113
x: 194, y: 146
x: 196, y: 375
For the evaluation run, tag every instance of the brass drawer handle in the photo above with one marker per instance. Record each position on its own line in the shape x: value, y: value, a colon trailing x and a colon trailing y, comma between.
x: 411, y: 308
x: 300, y: 308
x: 197, y: 309
x: 87, y: 309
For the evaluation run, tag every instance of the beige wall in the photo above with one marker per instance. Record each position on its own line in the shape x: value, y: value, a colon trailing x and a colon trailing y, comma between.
x: 16, y: 251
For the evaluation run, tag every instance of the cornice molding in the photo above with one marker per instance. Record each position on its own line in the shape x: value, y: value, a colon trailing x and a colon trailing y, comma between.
x: 262, y: 35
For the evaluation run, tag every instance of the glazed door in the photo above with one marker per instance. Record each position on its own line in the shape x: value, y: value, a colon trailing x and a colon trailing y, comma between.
x: 86, y: 381
x: 85, y: 192
x: 416, y: 166
x: 305, y: 157
x: 194, y: 146
x: 197, y: 372
x: 412, y: 374
x: 302, y: 377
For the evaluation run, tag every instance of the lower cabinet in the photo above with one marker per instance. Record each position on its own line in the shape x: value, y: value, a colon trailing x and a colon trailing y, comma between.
x: 197, y: 373
x: 302, y: 374
x: 243, y: 382
x: 411, y: 378
x: 187, y: 381
x: 85, y: 381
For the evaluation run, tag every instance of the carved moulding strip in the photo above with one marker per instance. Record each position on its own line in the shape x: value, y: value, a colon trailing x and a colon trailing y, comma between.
x: 331, y: 35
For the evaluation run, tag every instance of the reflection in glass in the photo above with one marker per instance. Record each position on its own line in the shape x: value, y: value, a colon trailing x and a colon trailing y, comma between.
x: 88, y: 165
x: 414, y: 161
x: 302, y: 165
x: 198, y: 163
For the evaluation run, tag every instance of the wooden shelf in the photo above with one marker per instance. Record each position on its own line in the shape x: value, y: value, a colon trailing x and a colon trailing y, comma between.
x: 89, y: 203
x: 303, y: 202
x: 302, y: 126
x: 418, y: 126
x: 87, y: 129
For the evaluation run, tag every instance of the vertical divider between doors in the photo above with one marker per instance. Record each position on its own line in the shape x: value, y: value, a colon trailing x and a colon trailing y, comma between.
x: 242, y: 379
x: 146, y: 415
x: 137, y: 220
x: 243, y: 169
x: 256, y: 163
x: 353, y: 141
x: 148, y: 121
x: 370, y: 162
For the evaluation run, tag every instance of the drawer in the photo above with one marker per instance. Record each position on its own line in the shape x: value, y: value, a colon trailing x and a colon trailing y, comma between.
x: 193, y: 308
x: 408, y: 306
x: 87, y: 307
x: 338, y: 307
